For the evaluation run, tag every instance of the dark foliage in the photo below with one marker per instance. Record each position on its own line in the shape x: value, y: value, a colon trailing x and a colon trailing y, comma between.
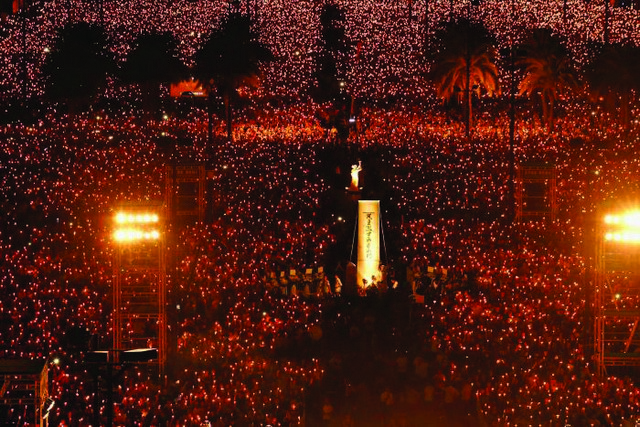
x: 152, y: 62
x: 78, y: 65
x: 229, y: 59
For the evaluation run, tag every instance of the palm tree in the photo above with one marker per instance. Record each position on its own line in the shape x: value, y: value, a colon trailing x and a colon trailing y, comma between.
x: 612, y: 74
x: 465, y: 64
x: 78, y: 65
x: 548, y: 71
x: 151, y: 63
x: 229, y: 59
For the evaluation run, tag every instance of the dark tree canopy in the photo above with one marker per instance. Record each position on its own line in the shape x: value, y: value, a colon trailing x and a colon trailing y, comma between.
x: 154, y: 59
x: 612, y: 74
x: 229, y: 59
x: 464, y: 47
x: 549, y: 70
x: 78, y: 65
x: 231, y: 56
x: 465, y: 63
x: 152, y: 62
x: 329, y: 86
x: 333, y: 46
x: 333, y: 22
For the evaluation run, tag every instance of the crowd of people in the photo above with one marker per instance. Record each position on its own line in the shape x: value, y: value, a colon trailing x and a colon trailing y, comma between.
x: 500, y: 336
x: 386, y: 39
x: 481, y: 321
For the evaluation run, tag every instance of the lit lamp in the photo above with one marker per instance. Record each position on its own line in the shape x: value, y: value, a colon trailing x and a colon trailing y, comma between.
x: 623, y: 227
x: 136, y: 226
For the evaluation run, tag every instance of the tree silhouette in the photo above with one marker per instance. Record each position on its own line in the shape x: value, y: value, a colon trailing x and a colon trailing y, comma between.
x: 333, y: 44
x: 229, y: 59
x: 548, y: 71
x: 612, y: 74
x: 151, y: 63
x: 465, y: 64
x: 330, y: 87
x: 78, y: 66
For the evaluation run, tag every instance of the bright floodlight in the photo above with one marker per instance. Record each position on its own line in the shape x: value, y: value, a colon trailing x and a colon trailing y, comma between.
x: 623, y: 227
x: 136, y: 218
x: 136, y: 227
x: 132, y: 234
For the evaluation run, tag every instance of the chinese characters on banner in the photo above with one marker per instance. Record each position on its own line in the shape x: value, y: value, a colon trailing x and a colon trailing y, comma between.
x: 368, y: 242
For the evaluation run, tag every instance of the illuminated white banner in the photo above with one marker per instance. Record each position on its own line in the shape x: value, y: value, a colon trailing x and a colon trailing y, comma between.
x: 368, y: 242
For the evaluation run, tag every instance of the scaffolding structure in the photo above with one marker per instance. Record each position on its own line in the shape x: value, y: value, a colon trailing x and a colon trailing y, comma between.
x: 536, y: 191
x: 24, y: 392
x: 616, y: 299
x: 139, y: 291
x: 185, y: 191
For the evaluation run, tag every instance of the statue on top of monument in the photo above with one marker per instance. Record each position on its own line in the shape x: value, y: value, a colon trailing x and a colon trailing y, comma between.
x: 355, y: 171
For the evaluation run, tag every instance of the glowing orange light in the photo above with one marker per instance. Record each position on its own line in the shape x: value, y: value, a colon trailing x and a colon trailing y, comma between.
x: 136, y: 218
x: 134, y: 234
x: 136, y: 226
x: 623, y: 237
x: 623, y: 227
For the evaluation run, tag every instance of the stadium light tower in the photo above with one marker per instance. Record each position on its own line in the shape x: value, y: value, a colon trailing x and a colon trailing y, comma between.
x: 139, y: 291
x: 617, y: 291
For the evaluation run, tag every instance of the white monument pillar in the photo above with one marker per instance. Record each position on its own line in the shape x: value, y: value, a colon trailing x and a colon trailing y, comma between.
x: 368, y: 242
